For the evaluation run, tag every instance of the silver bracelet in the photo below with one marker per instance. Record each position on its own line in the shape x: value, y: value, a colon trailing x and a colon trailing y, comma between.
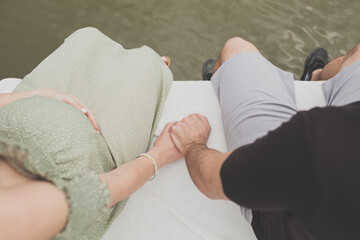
x: 154, y: 163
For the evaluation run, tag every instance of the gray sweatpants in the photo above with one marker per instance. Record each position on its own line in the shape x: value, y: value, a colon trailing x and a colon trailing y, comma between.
x: 255, y: 97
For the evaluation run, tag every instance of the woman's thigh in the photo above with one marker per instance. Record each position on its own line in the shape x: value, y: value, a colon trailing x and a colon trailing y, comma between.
x: 9, y: 177
x: 255, y: 97
x: 29, y: 209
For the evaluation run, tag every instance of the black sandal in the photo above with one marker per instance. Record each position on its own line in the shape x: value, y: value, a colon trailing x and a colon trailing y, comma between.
x: 207, y: 69
x: 317, y: 59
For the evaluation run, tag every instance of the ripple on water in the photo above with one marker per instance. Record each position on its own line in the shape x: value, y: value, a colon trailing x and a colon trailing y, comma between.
x: 189, y: 31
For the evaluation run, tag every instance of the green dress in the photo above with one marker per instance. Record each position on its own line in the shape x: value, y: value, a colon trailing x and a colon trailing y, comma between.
x: 50, y: 140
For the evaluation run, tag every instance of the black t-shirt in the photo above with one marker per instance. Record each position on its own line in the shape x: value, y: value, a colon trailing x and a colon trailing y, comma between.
x: 306, y: 173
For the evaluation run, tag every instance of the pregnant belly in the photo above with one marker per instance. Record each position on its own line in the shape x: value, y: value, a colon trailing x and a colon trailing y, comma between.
x: 49, y: 139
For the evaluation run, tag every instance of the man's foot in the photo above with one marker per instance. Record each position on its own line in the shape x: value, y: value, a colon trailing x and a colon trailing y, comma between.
x: 317, y: 59
x: 207, y: 69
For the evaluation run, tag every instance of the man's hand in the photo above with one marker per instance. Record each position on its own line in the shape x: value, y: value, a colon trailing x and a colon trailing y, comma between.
x: 192, y: 130
x: 190, y: 136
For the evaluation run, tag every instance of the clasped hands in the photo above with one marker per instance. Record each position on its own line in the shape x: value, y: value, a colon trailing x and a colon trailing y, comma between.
x: 178, y: 138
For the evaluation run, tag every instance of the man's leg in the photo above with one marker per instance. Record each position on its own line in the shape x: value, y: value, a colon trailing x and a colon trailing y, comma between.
x: 232, y: 47
x: 343, y: 75
x: 336, y: 65
x: 255, y: 96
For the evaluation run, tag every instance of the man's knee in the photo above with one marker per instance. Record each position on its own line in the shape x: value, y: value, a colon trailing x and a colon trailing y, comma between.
x: 240, y: 44
x: 351, y: 57
x: 355, y: 52
x: 235, y: 46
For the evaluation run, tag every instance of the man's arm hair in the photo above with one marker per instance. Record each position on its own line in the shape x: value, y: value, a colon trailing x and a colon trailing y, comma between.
x: 204, y: 165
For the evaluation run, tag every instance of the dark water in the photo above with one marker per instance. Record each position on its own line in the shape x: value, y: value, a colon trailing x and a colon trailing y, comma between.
x: 189, y: 31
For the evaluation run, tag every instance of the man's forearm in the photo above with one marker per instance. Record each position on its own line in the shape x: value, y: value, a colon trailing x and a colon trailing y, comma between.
x: 204, y: 166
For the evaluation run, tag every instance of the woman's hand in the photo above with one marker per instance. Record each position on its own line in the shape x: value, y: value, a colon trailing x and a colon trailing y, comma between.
x: 164, y: 150
x: 66, y: 98
x: 129, y: 177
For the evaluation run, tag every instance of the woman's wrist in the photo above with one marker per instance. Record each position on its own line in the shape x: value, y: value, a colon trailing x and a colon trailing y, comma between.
x: 12, y: 97
x: 31, y: 93
x: 158, y: 157
x: 21, y: 95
